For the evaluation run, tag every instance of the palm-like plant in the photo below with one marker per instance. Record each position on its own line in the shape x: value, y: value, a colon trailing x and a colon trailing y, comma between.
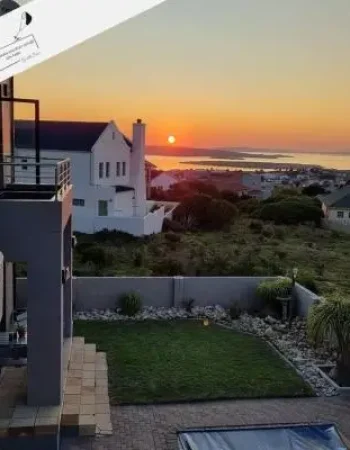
x: 329, y: 324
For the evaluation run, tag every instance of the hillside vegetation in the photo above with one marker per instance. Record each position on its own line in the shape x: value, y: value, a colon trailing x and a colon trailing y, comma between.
x: 248, y: 247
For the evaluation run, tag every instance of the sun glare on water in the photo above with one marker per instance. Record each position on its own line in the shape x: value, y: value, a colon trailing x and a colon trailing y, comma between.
x: 171, y: 139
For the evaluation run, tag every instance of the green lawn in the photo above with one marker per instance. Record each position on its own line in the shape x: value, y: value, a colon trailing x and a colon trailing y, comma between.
x: 176, y: 361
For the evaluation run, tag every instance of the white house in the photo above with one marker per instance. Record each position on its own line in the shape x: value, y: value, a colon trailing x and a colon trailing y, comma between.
x: 336, y: 207
x: 108, y: 173
x: 163, y: 181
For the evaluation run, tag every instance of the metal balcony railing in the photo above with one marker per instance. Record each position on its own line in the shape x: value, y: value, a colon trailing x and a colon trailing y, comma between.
x: 22, y: 177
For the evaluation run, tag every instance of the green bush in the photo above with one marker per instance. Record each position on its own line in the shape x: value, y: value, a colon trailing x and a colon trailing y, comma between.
x: 270, y: 290
x: 256, y: 226
x: 172, y: 237
x: 99, y: 256
x: 173, y: 225
x: 291, y: 211
x: 130, y: 304
x: 168, y: 266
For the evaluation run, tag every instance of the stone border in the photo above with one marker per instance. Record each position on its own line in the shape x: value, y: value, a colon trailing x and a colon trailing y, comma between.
x: 342, y: 391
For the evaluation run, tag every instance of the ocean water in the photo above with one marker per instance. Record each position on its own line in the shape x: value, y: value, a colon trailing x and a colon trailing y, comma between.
x: 327, y: 160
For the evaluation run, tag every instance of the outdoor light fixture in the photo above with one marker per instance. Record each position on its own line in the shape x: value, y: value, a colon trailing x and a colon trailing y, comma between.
x: 74, y: 241
x: 295, y: 272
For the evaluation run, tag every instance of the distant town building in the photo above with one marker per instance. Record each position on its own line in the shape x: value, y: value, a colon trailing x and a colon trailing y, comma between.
x: 336, y: 207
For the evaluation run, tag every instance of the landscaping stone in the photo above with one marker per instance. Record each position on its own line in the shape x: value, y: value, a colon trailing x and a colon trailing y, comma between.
x: 289, y: 339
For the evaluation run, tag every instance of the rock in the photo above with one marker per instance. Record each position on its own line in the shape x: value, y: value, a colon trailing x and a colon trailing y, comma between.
x: 270, y: 320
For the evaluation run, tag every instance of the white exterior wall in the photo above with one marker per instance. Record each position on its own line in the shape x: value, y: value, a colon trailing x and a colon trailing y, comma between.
x: 163, y: 181
x: 124, y: 204
x: 111, y: 147
x: 332, y: 215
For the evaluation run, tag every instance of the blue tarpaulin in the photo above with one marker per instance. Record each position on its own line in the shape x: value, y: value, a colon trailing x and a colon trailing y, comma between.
x: 310, y: 437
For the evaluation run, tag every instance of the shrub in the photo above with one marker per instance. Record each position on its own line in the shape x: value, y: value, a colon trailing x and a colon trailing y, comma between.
x: 268, y: 231
x: 269, y: 290
x: 328, y: 324
x: 168, y: 267
x: 313, y: 190
x: 130, y: 304
x: 256, y: 226
x: 97, y: 255
x: 188, y: 305
x: 291, y: 211
x: 139, y: 258
x: 173, y: 225
x: 172, y: 237
x: 202, y: 212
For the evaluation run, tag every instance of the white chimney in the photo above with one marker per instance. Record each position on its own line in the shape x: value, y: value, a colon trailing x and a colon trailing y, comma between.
x: 137, y: 169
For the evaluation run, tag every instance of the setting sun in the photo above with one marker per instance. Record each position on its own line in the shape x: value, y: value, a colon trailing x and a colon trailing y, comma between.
x: 171, y: 139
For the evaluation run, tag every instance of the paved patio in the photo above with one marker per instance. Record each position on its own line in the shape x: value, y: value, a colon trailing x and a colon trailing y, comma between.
x: 155, y: 427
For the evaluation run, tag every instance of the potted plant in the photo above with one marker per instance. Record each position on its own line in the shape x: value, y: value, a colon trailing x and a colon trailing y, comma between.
x: 328, y: 324
x: 276, y: 294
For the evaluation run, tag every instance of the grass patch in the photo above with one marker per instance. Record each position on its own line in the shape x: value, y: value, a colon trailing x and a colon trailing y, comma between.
x: 183, y: 360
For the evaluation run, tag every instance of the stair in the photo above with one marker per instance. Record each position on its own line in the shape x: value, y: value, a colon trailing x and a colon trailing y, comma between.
x: 86, y: 410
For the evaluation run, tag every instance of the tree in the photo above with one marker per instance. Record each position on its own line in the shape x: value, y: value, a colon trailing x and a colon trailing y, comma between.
x: 292, y: 211
x: 313, y: 190
x: 202, y: 212
x: 229, y: 196
x: 329, y: 323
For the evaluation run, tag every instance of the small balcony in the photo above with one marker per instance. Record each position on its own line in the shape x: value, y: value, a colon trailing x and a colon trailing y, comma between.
x: 22, y: 178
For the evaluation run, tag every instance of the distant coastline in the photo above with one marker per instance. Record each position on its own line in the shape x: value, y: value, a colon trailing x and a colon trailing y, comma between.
x: 235, y: 154
x: 251, y: 164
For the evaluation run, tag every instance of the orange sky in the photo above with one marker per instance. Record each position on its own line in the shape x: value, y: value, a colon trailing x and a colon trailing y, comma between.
x: 272, y: 74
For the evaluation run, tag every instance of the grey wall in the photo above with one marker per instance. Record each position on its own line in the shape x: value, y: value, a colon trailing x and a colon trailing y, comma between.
x: 305, y: 299
x: 103, y: 292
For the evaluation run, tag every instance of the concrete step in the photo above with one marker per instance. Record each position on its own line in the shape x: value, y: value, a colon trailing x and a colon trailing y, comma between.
x: 86, y: 409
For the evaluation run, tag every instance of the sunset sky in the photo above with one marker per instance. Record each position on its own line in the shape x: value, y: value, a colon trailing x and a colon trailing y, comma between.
x: 262, y: 73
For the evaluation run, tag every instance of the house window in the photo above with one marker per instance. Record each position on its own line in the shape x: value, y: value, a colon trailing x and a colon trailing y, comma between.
x: 124, y: 169
x: 78, y: 202
x: 340, y: 214
x: 24, y: 167
x: 107, y: 169
x: 102, y: 208
x: 118, y: 169
x: 100, y: 170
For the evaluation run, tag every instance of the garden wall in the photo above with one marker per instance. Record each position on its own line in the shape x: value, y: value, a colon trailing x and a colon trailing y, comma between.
x: 103, y: 292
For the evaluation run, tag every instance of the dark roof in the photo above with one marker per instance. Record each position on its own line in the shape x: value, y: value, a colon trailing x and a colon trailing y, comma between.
x: 337, y: 199
x: 344, y: 202
x: 127, y: 141
x: 123, y: 189
x: 64, y: 136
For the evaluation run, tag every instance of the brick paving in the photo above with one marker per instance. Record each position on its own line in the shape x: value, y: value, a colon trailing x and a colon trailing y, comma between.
x: 155, y: 427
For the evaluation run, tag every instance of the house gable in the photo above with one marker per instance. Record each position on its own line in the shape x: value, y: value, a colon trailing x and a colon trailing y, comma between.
x: 111, y: 158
